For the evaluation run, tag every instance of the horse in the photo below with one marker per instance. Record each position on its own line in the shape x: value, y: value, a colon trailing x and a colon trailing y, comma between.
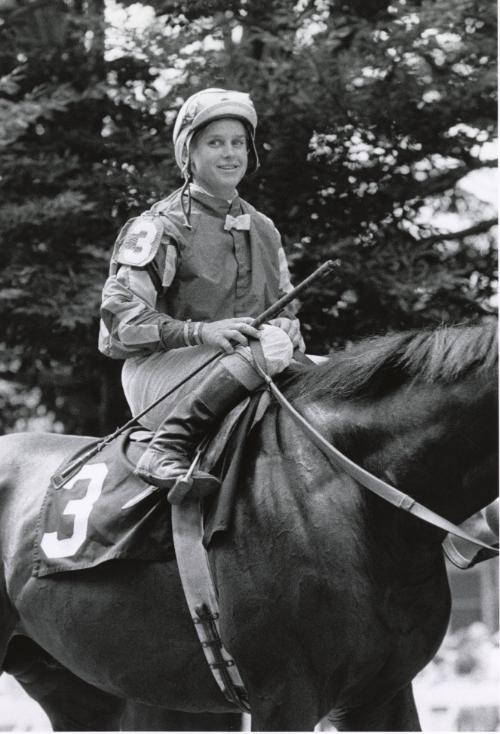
x: 331, y: 600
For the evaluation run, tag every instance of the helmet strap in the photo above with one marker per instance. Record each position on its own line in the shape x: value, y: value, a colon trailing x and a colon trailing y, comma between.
x: 186, y: 192
x: 188, y: 177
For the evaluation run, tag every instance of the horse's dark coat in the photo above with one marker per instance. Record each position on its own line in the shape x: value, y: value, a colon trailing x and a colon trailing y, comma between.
x: 329, y: 598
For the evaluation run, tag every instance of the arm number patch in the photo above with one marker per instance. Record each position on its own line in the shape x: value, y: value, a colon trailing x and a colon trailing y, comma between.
x: 139, y: 240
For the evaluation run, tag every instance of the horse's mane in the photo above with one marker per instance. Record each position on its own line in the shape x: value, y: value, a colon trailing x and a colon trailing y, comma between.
x: 381, y: 363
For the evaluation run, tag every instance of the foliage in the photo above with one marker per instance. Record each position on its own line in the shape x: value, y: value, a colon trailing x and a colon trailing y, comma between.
x: 370, y: 115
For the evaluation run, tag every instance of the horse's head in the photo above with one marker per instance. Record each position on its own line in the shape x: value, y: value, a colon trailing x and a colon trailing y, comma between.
x: 418, y: 409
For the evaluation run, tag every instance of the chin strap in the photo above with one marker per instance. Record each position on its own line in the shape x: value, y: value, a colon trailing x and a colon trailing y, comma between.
x: 186, y: 193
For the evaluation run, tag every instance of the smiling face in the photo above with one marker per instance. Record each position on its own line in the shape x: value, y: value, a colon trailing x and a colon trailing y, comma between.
x: 219, y: 156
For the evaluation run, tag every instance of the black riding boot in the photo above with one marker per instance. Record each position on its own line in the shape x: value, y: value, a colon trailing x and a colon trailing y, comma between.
x: 169, y: 454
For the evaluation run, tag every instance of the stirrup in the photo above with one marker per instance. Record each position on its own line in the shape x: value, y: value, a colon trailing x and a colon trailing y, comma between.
x: 184, y: 484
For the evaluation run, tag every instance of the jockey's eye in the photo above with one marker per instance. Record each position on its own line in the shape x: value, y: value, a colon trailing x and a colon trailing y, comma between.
x: 239, y: 142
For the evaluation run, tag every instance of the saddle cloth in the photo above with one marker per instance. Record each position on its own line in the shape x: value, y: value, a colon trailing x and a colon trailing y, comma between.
x: 106, y: 513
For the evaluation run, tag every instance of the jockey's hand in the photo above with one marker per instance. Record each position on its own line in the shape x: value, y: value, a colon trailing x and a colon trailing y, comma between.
x: 228, y: 333
x: 292, y: 328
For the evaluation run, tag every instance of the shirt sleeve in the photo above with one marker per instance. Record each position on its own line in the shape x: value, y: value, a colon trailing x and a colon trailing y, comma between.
x: 285, y: 284
x: 129, y: 305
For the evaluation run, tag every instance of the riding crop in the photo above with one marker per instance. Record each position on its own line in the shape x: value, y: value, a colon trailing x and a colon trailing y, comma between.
x: 59, y: 479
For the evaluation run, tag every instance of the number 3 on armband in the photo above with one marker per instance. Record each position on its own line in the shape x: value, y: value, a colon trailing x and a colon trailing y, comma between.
x: 52, y: 546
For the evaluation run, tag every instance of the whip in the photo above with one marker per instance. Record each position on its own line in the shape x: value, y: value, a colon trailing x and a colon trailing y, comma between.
x: 59, y: 479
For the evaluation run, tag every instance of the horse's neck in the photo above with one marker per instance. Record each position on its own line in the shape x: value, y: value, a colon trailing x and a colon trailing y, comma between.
x: 436, y: 443
x: 417, y: 439
x: 298, y: 509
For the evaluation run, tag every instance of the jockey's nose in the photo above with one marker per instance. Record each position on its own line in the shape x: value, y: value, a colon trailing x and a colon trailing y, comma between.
x: 230, y: 149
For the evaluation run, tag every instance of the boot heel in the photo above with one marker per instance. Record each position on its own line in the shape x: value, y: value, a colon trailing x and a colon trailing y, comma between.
x: 151, y: 478
x: 181, y: 488
x: 183, y: 484
x: 205, y: 484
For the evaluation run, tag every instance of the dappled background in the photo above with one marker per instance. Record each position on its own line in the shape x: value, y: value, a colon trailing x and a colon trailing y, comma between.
x: 377, y: 137
x: 376, y: 124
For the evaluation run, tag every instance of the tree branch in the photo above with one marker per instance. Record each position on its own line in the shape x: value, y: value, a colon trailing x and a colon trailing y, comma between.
x: 488, y: 163
x: 442, y: 236
x: 441, y: 182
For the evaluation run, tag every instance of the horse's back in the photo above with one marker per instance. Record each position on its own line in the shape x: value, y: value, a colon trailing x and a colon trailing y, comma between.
x: 27, y: 461
x: 22, y: 449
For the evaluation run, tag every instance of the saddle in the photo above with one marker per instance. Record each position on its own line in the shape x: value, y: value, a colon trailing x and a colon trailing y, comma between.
x: 105, y: 512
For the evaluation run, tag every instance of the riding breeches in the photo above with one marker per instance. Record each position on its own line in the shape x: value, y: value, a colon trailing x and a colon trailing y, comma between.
x: 146, y: 378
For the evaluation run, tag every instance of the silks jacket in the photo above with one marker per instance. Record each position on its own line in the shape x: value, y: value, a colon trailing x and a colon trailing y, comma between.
x: 163, y: 273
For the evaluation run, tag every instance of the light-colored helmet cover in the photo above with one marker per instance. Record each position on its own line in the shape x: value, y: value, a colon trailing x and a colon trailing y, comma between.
x: 207, y: 106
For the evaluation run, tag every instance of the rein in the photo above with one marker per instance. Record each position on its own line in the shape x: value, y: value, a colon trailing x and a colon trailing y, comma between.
x: 378, y: 486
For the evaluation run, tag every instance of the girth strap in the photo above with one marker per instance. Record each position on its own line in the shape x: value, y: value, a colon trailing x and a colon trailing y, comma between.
x: 201, y: 598
x: 374, y: 484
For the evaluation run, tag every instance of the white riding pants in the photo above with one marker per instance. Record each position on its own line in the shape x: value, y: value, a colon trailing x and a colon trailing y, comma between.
x: 146, y: 378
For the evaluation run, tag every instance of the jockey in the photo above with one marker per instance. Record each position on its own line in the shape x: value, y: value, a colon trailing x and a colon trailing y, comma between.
x: 186, y: 279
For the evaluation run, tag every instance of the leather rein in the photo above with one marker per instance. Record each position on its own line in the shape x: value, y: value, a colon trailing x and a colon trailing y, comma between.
x: 376, y: 485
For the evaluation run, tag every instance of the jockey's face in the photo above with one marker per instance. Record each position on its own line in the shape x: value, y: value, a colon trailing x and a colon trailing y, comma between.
x: 219, y: 157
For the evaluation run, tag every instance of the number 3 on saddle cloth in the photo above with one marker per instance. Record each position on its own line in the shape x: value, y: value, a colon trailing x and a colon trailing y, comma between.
x: 103, y: 512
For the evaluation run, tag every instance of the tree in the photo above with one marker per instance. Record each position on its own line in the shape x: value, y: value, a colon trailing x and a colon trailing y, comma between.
x: 370, y: 115
x: 66, y: 188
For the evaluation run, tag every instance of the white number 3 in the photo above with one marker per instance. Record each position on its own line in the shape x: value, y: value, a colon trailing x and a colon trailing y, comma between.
x: 52, y: 546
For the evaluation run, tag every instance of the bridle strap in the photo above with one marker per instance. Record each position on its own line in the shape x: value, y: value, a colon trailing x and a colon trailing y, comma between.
x: 370, y: 481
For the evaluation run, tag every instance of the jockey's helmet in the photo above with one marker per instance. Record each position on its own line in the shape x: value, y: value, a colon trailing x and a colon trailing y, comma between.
x: 207, y: 106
